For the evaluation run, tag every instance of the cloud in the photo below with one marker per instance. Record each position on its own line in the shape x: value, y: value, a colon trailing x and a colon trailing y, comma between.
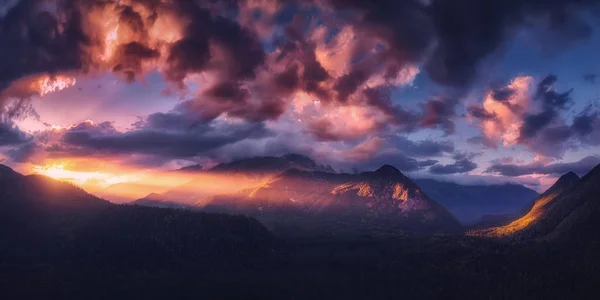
x: 583, y: 123
x: 365, y: 150
x: 23, y: 153
x: 11, y: 135
x: 153, y: 140
x: 500, y: 120
x: 590, y: 78
x: 533, y: 117
x: 454, y: 37
x: 552, y: 102
x: 326, y: 68
x: 459, y: 166
x: 424, y: 148
x: 438, y: 113
x: 580, y: 167
x: 533, y: 123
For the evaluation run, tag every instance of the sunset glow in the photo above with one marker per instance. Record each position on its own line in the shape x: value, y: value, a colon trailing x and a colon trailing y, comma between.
x: 49, y: 85
x: 100, y: 179
x: 170, y: 84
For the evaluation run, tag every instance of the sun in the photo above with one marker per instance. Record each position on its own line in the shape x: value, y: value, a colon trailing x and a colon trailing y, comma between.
x: 59, y: 171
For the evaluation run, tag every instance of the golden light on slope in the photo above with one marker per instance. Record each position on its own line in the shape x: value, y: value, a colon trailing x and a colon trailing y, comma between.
x: 60, y: 172
x: 536, y: 212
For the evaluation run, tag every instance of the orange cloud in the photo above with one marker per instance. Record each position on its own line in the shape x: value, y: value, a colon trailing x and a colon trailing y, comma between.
x: 505, y: 126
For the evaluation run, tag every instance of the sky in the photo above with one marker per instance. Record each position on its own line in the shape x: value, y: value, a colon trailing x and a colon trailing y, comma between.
x: 103, y: 92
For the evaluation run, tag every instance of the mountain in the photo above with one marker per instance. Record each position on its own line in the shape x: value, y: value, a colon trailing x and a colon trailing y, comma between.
x: 98, y: 250
x: 580, y: 207
x: 236, y: 175
x: 470, y: 203
x: 381, y: 200
x: 19, y: 193
x: 547, y: 210
x: 156, y: 200
x: 40, y: 213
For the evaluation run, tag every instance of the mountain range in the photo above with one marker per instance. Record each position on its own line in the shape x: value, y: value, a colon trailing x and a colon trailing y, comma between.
x: 58, y: 241
x: 384, y: 199
x: 292, y: 189
x: 62, y: 219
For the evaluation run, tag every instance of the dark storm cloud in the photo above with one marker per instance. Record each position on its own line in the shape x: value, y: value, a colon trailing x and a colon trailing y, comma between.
x: 35, y: 42
x: 533, y: 123
x: 404, y: 120
x: 171, y: 135
x: 460, y: 166
x: 347, y: 84
x: 580, y: 167
x: 131, y: 56
x: 439, y: 113
x: 242, y: 50
x: 466, y: 32
x: 480, y: 113
x: 11, y: 135
x: 503, y: 94
x: 549, y: 96
x: 23, y: 153
x: 425, y: 148
x: 287, y: 81
x: 583, y: 123
x: 42, y: 43
x: 451, y: 39
x: 552, y: 102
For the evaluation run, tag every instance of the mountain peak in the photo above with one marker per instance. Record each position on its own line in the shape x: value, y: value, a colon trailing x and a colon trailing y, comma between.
x: 565, y: 181
x: 7, y: 171
x: 569, y: 177
x: 388, y: 170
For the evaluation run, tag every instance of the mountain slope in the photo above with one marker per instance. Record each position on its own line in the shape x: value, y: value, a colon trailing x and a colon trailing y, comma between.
x: 469, y: 203
x: 577, y: 211
x: 551, y: 207
x: 384, y: 199
x: 38, y: 213
x: 228, y: 177
x: 156, y: 200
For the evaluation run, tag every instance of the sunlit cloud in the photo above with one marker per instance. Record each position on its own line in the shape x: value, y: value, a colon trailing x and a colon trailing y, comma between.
x: 49, y: 85
x: 101, y: 179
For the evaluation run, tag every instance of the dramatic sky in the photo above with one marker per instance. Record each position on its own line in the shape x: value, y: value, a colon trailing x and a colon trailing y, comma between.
x: 469, y: 90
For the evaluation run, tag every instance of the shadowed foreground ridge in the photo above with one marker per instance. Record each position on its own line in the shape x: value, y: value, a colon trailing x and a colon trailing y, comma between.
x: 88, y: 248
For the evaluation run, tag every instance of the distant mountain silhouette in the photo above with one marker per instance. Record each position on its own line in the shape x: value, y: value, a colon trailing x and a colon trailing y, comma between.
x: 547, y: 211
x: 252, y: 171
x: 37, y: 211
x: 156, y: 200
x: 469, y: 203
x: 37, y: 193
x: 381, y: 199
